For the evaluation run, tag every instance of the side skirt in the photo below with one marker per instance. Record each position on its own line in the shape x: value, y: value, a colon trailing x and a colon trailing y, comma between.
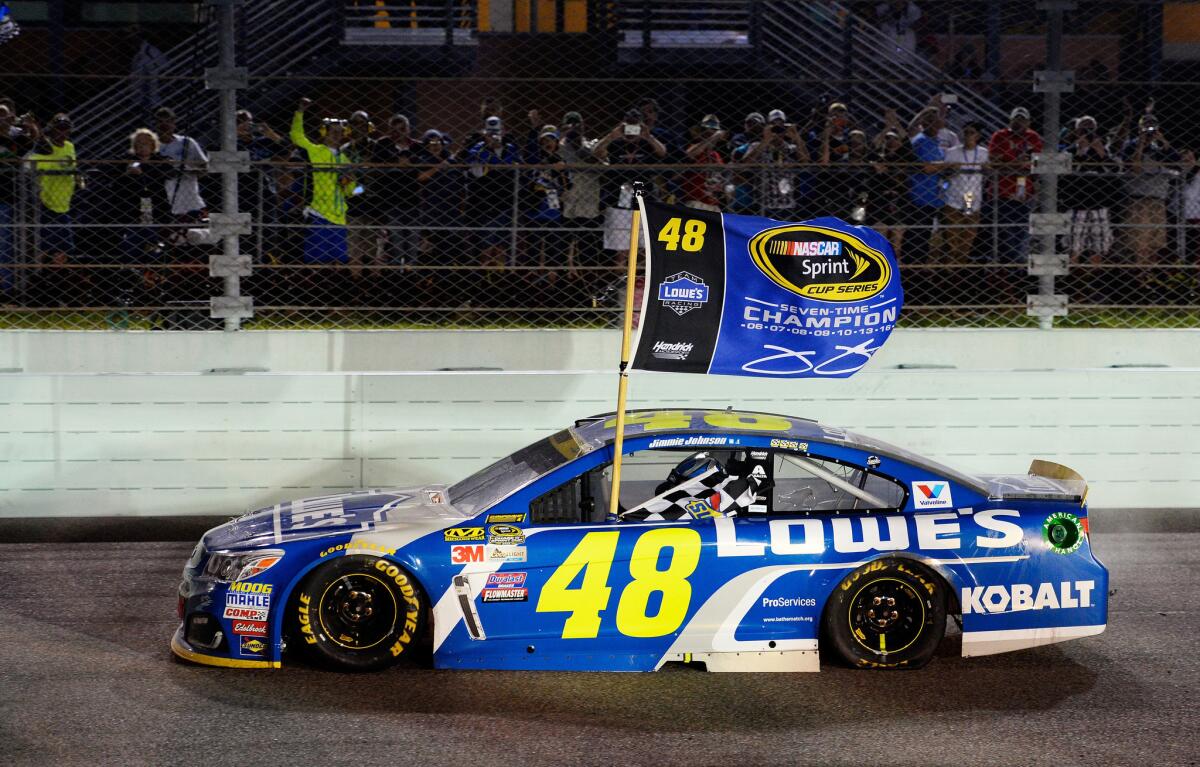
x: 976, y: 643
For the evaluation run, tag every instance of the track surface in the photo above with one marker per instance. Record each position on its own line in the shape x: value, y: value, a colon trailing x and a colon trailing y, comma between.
x: 86, y: 678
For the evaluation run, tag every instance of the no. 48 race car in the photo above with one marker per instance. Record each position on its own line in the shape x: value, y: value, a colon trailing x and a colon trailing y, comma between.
x: 742, y: 541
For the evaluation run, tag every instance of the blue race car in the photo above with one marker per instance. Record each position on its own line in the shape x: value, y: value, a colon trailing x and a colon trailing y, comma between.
x: 742, y: 540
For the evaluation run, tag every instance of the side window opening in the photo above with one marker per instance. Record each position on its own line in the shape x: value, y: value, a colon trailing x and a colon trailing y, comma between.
x: 807, y: 484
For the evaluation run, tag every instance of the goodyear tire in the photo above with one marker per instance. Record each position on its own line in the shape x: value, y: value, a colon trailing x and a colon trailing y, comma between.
x: 359, y: 613
x: 890, y: 613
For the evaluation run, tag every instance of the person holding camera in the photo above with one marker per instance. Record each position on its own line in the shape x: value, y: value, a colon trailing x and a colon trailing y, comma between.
x: 780, y: 148
x: 325, y: 241
x: 1149, y: 156
x: 490, y: 190
x: 1086, y: 193
x: 257, y: 190
x: 962, y: 198
x: 630, y: 143
x: 705, y: 190
x: 14, y: 143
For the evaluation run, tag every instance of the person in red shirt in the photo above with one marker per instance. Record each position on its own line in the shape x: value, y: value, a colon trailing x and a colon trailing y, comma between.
x: 1009, y: 152
x: 705, y: 189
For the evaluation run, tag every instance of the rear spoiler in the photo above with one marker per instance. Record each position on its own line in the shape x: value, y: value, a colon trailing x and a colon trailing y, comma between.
x: 1052, y: 470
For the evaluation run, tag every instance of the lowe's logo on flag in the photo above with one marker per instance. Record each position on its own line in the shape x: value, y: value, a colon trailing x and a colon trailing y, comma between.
x: 682, y: 293
x: 751, y: 296
x: 933, y: 494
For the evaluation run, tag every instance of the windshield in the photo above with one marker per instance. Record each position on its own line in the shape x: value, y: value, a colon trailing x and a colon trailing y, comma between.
x: 484, y: 488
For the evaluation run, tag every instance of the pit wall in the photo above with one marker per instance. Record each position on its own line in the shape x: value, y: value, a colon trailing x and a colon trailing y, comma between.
x: 132, y: 424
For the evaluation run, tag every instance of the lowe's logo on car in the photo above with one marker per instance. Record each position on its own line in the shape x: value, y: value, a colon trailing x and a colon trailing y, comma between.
x: 316, y: 512
x: 790, y: 537
x: 932, y: 494
x: 1019, y: 597
x: 683, y: 292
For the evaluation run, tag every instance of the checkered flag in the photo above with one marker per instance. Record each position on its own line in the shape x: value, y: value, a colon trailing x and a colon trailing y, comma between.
x: 712, y: 494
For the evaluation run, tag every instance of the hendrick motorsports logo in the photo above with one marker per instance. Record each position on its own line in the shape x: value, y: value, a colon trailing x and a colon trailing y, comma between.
x: 819, y: 263
x: 683, y: 292
x: 666, y: 350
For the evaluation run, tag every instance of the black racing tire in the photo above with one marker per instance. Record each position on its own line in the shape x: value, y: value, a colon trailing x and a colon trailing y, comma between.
x: 887, y: 614
x: 359, y: 613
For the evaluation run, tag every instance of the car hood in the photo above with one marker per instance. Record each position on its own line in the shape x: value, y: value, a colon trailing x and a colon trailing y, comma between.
x: 423, y: 506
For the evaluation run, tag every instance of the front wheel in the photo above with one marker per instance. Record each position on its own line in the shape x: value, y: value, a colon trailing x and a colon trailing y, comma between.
x: 359, y: 613
x: 890, y: 613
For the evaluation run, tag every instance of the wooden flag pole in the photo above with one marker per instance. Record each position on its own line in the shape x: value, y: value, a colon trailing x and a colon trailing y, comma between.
x: 623, y: 376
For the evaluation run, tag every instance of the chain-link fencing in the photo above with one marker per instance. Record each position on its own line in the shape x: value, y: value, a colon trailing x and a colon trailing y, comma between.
x: 380, y: 164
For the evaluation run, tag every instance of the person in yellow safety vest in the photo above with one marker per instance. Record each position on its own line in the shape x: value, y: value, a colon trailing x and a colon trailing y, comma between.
x: 53, y: 162
x: 325, y: 241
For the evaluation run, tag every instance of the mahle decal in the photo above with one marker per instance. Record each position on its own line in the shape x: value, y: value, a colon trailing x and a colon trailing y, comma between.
x: 821, y: 264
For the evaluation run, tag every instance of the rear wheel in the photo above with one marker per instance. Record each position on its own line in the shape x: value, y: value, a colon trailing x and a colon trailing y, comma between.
x: 890, y: 613
x: 359, y: 613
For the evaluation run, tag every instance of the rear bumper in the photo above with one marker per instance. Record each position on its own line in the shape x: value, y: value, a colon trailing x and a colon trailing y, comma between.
x: 181, y: 648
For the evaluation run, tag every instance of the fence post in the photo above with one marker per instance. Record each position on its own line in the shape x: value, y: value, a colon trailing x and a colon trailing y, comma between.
x: 227, y: 78
x: 1047, y: 225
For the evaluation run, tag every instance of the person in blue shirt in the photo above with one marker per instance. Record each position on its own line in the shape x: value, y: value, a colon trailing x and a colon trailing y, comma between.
x: 925, y: 185
x: 490, y: 192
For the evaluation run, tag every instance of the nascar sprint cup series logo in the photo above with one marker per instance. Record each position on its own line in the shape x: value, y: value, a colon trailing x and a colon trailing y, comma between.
x: 821, y: 264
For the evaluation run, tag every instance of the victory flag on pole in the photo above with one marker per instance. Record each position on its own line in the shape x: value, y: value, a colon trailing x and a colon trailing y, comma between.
x: 749, y: 296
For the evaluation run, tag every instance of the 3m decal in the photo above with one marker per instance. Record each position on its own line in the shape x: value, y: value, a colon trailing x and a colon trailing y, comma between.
x: 1018, y: 597
x: 463, y: 554
x: 932, y: 494
x: 514, y: 519
x: 250, y: 628
x: 668, y: 590
x: 1063, y: 532
x: 464, y: 534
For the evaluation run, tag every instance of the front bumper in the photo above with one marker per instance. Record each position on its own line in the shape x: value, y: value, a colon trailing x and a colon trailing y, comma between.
x: 181, y: 648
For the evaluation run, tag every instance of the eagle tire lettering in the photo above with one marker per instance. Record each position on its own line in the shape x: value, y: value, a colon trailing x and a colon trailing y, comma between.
x: 360, y: 613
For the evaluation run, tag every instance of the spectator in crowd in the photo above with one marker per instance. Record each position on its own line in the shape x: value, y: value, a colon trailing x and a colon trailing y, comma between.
x: 53, y: 162
x: 257, y: 189
x: 705, y: 190
x: 780, y: 145
x: 965, y: 64
x: 188, y: 162
x: 1191, y: 204
x: 489, y: 106
x: 889, y: 206
x: 835, y: 135
x: 937, y: 107
x: 1149, y: 157
x: 581, y: 201
x: 926, y: 186
x: 746, y: 182
x: 1087, y: 192
x: 394, y: 193
x: 543, y: 194
x: 897, y: 20
x: 856, y: 181
x: 138, y: 199
x: 630, y: 143
x: 962, y: 197
x: 648, y: 108
x: 439, y: 190
x: 364, y: 243
x: 325, y: 241
x: 490, y: 190
x: 15, y: 142
x: 1010, y: 150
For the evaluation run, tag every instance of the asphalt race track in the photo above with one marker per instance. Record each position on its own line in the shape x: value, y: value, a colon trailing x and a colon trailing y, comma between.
x: 86, y: 678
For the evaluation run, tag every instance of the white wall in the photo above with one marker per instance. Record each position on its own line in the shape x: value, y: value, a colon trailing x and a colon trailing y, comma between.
x: 149, y: 444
